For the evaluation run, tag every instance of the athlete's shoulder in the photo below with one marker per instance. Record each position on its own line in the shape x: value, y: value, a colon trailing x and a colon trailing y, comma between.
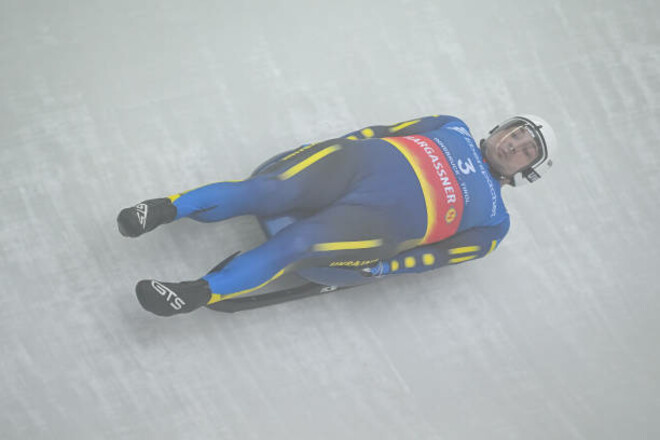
x: 494, y: 229
x: 502, y: 228
x: 446, y: 119
x: 455, y: 123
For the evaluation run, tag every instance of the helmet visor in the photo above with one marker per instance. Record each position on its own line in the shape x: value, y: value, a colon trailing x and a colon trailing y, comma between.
x: 517, y: 134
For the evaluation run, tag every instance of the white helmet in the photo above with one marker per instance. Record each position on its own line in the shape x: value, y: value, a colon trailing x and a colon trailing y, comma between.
x: 545, y: 138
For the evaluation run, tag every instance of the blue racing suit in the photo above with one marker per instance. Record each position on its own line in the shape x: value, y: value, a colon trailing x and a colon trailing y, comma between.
x: 408, y: 197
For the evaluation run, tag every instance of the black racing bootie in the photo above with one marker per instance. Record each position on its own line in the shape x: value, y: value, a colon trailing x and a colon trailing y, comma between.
x: 167, y: 299
x: 145, y: 216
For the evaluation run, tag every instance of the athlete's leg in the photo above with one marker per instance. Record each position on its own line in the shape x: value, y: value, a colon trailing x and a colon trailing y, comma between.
x: 309, y: 178
x: 346, y: 232
x: 337, y: 233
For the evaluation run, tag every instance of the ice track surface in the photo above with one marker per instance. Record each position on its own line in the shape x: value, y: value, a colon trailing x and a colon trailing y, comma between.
x: 104, y: 104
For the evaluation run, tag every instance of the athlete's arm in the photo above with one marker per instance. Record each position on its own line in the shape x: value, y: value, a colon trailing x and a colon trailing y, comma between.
x: 407, y: 128
x: 466, y: 246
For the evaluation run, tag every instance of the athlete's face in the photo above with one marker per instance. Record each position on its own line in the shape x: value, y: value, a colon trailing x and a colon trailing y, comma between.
x: 510, y: 151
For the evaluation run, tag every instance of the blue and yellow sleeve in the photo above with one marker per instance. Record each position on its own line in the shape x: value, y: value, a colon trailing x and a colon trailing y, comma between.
x: 466, y: 246
x: 406, y: 128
